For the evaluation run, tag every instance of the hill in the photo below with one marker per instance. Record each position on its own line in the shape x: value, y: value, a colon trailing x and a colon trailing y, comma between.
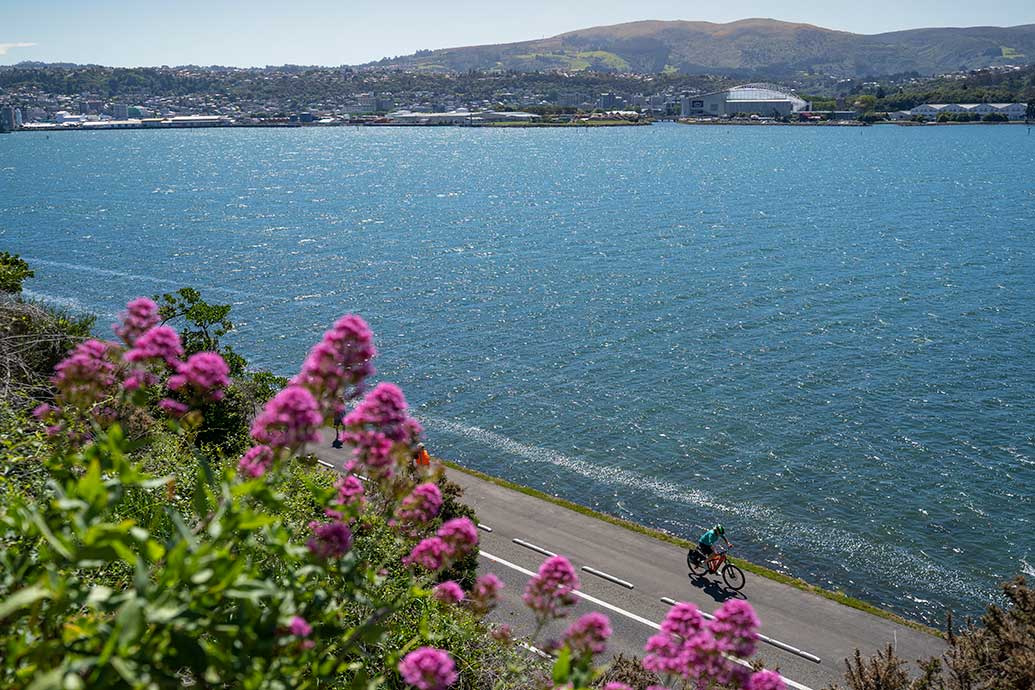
x: 750, y: 46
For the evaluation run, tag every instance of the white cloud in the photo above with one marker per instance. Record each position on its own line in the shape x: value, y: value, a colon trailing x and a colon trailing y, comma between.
x: 4, y: 47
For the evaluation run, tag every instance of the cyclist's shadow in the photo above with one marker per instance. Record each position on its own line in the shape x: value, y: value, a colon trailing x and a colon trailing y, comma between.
x: 713, y: 589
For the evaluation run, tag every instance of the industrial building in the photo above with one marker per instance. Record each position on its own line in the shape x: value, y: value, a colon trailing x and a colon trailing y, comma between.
x: 766, y: 100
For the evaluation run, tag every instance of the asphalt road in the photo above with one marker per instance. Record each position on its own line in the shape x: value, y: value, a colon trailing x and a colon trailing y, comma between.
x: 657, y: 570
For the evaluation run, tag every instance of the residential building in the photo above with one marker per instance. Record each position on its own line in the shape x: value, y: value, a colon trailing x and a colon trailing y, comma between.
x: 120, y: 111
x: 607, y: 101
x: 931, y: 111
x: 6, y: 118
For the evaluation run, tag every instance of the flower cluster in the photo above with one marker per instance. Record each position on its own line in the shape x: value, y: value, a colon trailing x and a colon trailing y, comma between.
x: 290, y: 420
x: 329, y: 540
x: 350, y: 495
x: 141, y: 315
x: 551, y: 592
x: 337, y: 366
x: 454, y: 540
x: 256, y: 461
x: 384, y: 408
x: 448, y: 592
x: 87, y: 376
x: 698, y: 650
x: 300, y: 628
x: 428, y: 669
x: 735, y: 628
x: 485, y: 593
x: 375, y: 426
x: 159, y: 345
x: 588, y: 635
x: 765, y: 680
x: 420, y: 506
x: 203, y: 376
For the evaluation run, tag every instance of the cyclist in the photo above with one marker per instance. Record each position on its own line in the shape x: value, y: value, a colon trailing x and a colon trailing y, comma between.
x: 707, y: 541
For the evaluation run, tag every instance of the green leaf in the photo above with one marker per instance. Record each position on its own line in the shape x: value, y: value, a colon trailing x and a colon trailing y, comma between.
x: 98, y: 595
x: 562, y: 667
x: 90, y: 485
x: 51, y: 680
x: 21, y: 599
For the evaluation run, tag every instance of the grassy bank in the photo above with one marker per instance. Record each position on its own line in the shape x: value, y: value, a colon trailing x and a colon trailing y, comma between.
x: 797, y: 583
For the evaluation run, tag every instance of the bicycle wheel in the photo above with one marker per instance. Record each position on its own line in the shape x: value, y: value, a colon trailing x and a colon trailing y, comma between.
x: 733, y: 577
x: 697, y: 566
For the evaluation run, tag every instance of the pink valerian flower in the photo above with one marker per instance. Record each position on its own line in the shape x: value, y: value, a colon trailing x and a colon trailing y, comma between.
x: 663, y: 654
x: 683, y: 620
x: 551, y: 591
x: 204, y: 375
x: 460, y: 537
x: 426, y: 668
x: 141, y: 315
x: 502, y: 633
x: 350, y: 495
x: 383, y: 409
x: 735, y: 628
x: 160, y: 344
x: 485, y: 593
x: 86, y: 376
x: 431, y: 554
x: 420, y: 506
x: 372, y: 453
x: 290, y: 420
x: 448, y: 592
x: 256, y: 461
x: 588, y: 635
x: 697, y: 651
x: 173, y: 408
x: 44, y: 411
x: 337, y: 366
x: 137, y: 379
x: 330, y: 539
x: 765, y: 680
x: 300, y: 627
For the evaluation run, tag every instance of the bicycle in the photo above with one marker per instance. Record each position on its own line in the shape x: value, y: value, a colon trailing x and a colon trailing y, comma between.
x: 716, y: 563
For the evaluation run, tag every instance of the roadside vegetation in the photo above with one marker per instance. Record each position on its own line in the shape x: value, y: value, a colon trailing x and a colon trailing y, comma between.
x: 162, y: 527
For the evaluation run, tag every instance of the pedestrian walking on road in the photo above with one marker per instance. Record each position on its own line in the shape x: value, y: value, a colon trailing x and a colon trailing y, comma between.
x: 336, y: 443
x: 420, y: 456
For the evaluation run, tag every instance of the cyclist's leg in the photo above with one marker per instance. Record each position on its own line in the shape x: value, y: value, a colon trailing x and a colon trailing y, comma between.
x: 706, y: 552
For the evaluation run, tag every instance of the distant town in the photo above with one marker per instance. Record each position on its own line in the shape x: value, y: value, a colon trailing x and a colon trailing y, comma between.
x: 46, y: 98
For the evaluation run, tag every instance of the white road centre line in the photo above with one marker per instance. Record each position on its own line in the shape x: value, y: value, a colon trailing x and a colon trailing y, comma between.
x: 765, y: 638
x: 484, y: 528
x: 623, y: 612
x: 535, y: 650
x: 522, y: 542
x: 611, y: 578
x: 325, y: 463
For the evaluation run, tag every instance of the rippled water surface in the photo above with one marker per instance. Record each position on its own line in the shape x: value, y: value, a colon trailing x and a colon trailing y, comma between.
x: 821, y: 337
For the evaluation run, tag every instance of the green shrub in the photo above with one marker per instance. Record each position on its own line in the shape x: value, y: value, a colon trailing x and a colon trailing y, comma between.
x: 13, y: 272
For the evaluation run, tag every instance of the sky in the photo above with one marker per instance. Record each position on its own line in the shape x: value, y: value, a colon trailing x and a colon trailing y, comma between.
x: 325, y: 32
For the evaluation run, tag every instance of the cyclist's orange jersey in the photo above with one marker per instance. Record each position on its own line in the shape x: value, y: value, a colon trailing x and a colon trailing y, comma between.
x: 423, y: 458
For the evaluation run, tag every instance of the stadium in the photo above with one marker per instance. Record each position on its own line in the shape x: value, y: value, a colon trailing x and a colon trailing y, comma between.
x: 767, y: 100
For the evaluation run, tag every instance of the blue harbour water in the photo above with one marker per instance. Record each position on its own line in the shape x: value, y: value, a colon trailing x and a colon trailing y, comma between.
x: 822, y: 337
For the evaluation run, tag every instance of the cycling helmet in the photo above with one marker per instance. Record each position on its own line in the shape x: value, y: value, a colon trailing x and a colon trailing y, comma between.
x: 719, y: 529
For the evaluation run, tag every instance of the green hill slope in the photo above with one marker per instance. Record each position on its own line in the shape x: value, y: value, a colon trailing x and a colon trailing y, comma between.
x: 750, y: 46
